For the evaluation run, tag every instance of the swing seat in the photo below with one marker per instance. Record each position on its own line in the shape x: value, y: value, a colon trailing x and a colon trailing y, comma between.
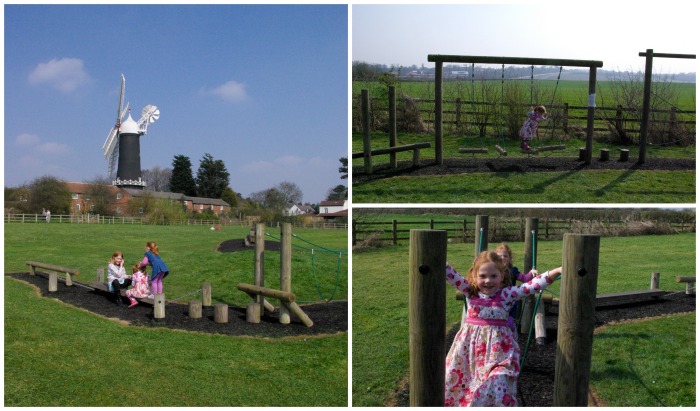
x: 501, y: 151
x: 474, y: 150
x: 552, y: 148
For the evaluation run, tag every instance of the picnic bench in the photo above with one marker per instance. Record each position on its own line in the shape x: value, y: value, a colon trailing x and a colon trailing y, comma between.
x: 101, y: 284
x: 53, y: 275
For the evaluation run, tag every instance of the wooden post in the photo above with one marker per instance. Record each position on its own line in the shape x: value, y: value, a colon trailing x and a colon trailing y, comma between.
x: 159, y: 306
x: 655, y: 280
x: 252, y: 313
x: 590, y: 124
x: 221, y: 313
x: 285, y: 268
x: 195, y: 309
x: 296, y: 310
x: 528, y: 305
x: 366, y: 139
x: 427, y: 306
x: 393, y: 231
x: 438, y: 113
x: 259, y: 279
x: 576, y: 319
x: 646, y: 104
x: 392, y: 125
x: 206, y: 295
x: 100, y: 274
x: 604, y: 154
x: 53, y: 282
x: 624, y: 155
x: 582, y: 154
x: 481, y: 234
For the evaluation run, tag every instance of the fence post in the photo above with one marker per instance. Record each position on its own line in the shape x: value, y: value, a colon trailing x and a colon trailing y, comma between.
x: 285, y: 268
x: 427, y: 316
x: 576, y: 320
x: 393, y: 230
x: 392, y: 125
x: 565, y: 116
x: 366, y: 142
x: 354, y: 232
x: 438, y: 112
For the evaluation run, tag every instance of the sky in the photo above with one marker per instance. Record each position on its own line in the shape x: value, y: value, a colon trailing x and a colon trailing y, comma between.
x: 264, y: 88
x: 610, y: 31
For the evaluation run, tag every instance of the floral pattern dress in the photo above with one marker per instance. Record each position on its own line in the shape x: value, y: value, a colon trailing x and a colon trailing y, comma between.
x: 140, y: 283
x: 483, y: 364
x: 529, y: 128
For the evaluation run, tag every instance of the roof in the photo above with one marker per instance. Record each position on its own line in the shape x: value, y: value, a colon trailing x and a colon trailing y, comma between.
x: 327, y: 203
x: 134, y: 192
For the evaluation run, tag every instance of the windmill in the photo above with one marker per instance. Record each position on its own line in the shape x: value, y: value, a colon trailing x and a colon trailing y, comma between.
x: 122, y: 147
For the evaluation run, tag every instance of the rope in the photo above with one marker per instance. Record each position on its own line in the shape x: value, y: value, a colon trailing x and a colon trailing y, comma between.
x: 186, y: 295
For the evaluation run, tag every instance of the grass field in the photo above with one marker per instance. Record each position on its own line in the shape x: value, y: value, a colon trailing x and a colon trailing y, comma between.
x: 56, y: 355
x: 380, y: 298
x: 594, y: 186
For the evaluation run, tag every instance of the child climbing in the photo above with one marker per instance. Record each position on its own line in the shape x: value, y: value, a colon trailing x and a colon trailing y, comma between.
x: 529, y: 128
x: 504, y: 251
x: 482, y: 365
x: 139, y: 280
x: 116, y: 275
x: 158, y: 268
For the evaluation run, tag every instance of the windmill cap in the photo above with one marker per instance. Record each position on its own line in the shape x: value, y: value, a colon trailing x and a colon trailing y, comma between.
x: 129, y: 126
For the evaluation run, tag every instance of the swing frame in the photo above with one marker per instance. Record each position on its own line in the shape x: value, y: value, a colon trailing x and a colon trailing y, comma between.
x: 439, y: 59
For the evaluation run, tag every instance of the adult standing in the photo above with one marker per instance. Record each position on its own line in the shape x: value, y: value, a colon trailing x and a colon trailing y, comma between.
x: 48, y: 216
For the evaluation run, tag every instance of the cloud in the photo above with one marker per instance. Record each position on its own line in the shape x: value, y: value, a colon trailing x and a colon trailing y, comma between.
x: 53, y: 148
x: 65, y: 75
x: 232, y: 91
x: 289, y: 161
x: 26, y: 139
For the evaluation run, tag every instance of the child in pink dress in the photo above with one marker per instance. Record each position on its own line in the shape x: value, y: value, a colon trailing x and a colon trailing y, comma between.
x: 503, y: 251
x: 483, y: 364
x: 529, y: 128
x: 140, y: 282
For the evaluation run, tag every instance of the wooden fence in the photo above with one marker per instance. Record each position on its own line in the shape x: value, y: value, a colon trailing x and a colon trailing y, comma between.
x: 502, y: 229
x: 100, y: 219
x: 460, y: 114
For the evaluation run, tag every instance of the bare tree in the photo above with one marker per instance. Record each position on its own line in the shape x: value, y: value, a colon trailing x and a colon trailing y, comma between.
x: 157, y: 179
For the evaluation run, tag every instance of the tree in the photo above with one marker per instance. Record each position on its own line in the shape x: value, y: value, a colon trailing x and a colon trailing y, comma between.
x: 343, y: 169
x: 49, y: 193
x: 98, y: 195
x: 230, y: 196
x: 16, y: 199
x: 157, y: 179
x: 339, y: 192
x: 270, y: 199
x: 212, y: 177
x: 290, y: 192
x: 181, y: 180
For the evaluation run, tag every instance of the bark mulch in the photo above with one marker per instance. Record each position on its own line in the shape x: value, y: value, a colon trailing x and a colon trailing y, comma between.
x: 512, y: 164
x: 328, y: 318
x: 536, y: 381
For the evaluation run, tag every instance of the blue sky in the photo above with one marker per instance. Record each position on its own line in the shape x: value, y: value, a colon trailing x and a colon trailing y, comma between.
x: 614, y: 32
x: 261, y: 87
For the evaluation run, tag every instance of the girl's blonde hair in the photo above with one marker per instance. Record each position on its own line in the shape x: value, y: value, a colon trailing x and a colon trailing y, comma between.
x: 481, y: 259
x: 506, y: 248
x: 115, y: 255
x: 137, y: 268
x: 153, y: 246
x: 541, y: 109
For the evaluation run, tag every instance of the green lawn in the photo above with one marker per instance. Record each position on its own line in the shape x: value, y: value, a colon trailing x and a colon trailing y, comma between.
x: 590, y: 186
x: 380, y: 297
x: 57, y: 355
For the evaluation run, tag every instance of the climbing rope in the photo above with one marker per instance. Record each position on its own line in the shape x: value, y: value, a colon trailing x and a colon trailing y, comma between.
x: 313, y: 264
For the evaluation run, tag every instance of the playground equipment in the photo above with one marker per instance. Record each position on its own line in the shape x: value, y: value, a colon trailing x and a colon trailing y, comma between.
x: 427, y: 258
x: 440, y: 59
x: 644, y: 127
x: 53, y: 275
x: 258, y: 292
x: 367, y: 153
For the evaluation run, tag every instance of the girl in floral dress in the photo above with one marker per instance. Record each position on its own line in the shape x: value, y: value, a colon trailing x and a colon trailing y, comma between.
x: 529, y: 128
x: 483, y: 364
x: 140, y: 282
x: 503, y: 251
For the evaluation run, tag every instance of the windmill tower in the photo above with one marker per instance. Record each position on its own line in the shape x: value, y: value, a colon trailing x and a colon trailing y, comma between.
x: 122, y: 147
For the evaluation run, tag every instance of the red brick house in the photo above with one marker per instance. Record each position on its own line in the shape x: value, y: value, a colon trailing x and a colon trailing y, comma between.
x: 119, y: 200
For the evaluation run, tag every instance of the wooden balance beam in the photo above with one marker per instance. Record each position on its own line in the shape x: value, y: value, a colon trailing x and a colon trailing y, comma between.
x: 690, y: 284
x: 501, y: 151
x: 616, y: 298
x: 552, y: 148
x: 53, y: 275
x: 286, y: 298
x: 474, y: 150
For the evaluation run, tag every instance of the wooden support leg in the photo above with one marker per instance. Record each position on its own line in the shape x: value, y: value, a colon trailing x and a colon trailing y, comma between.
x: 69, y: 281
x: 252, y: 311
x: 159, y: 306
x: 221, y: 313
x: 53, y: 282
x: 195, y: 309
